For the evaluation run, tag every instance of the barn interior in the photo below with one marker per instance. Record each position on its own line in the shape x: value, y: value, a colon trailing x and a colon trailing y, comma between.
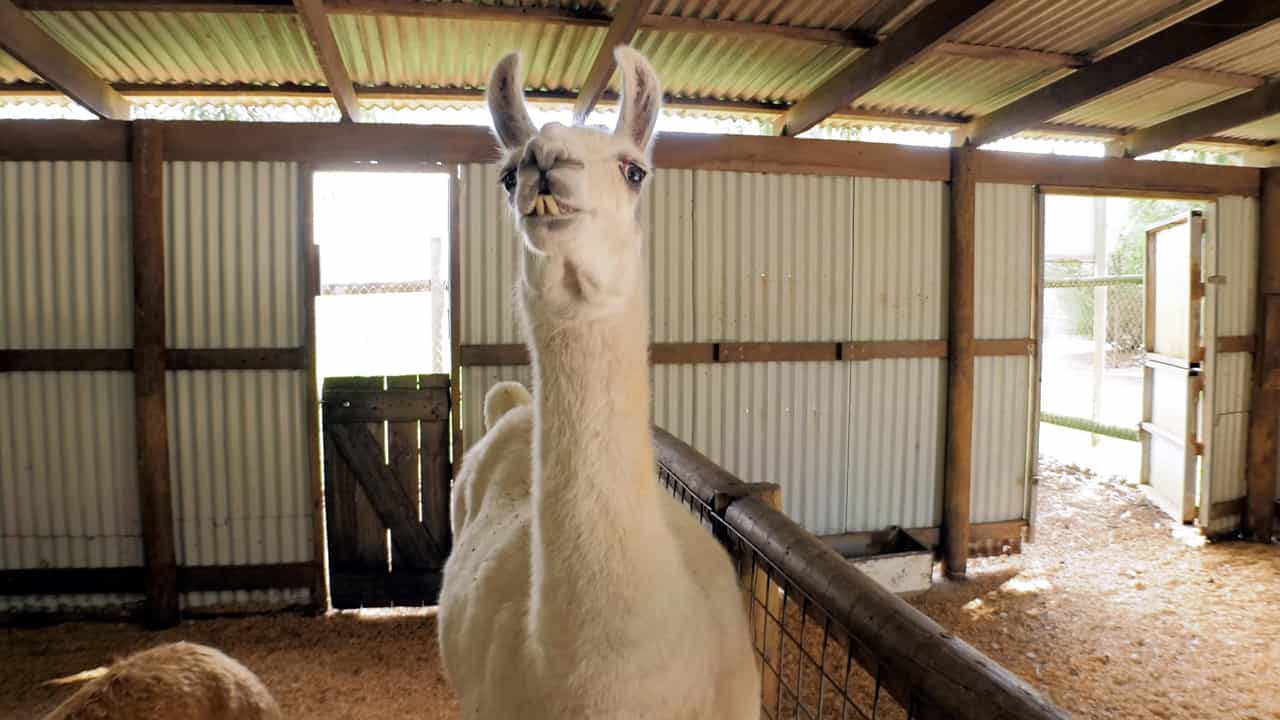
x: 965, y: 337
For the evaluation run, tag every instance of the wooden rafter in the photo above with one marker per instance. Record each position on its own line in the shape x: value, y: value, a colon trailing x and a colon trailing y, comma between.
x: 1202, y: 31
x: 626, y: 23
x: 1233, y: 112
x: 35, y: 48
x: 316, y: 21
x: 922, y: 32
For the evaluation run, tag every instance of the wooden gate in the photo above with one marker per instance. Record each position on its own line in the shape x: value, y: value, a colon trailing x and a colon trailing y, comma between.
x: 387, y: 476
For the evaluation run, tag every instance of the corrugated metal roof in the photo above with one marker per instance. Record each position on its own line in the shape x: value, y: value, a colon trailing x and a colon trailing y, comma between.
x: 1268, y: 129
x: 1073, y: 26
x: 800, y: 13
x: 187, y: 47
x: 957, y: 85
x: 1146, y: 103
x: 1257, y: 53
x: 12, y: 71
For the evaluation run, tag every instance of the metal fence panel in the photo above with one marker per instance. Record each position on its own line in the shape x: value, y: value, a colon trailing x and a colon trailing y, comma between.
x: 773, y: 257
x: 233, y: 254
x: 65, y: 243
x: 68, y: 479
x: 899, y: 256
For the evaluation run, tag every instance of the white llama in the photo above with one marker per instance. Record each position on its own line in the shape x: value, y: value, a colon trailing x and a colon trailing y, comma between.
x: 177, y: 680
x: 577, y: 587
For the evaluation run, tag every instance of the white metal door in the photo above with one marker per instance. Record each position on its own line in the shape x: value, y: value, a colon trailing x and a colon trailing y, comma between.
x: 1172, y: 384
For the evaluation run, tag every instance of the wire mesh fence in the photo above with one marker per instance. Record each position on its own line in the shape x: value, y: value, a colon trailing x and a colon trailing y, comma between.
x: 831, y: 644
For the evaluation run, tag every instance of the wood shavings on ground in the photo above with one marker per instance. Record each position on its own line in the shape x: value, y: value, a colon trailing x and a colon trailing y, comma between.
x: 1118, y: 612
x: 1115, y: 612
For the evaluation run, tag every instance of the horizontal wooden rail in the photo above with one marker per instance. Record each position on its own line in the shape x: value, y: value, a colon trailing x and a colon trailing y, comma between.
x: 736, y: 352
x: 429, y: 144
x: 922, y: 664
x: 131, y: 580
x: 78, y: 360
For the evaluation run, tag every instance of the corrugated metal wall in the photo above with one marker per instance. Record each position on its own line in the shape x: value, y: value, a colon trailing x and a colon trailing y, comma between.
x: 1003, y: 309
x: 68, y: 477
x: 751, y: 257
x: 1231, y: 299
x: 237, y: 453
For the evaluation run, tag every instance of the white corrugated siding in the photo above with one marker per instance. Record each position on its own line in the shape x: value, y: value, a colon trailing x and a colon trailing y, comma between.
x: 238, y: 463
x: 667, y: 215
x: 1000, y: 436
x: 237, y: 452
x: 65, y: 276
x: 1004, y: 292
x: 896, y: 446
x: 899, y: 258
x: 476, y: 381
x: 1232, y: 298
x: 68, y: 478
x: 1004, y: 261
x: 774, y: 257
x: 233, y: 255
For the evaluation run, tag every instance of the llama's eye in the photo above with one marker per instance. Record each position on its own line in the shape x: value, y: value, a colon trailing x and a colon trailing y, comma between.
x: 633, y: 173
x: 509, y: 180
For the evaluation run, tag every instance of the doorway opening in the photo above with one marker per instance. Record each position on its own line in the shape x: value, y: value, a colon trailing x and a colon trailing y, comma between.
x: 383, y: 360
x: 1121, y: 346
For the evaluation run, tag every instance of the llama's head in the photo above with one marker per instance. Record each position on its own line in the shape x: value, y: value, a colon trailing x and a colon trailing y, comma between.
x: 575, y: 192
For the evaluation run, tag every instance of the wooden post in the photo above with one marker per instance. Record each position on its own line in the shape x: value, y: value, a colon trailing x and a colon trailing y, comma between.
x: 960, y: 354
x: 1264, y: 421
x: 455, y: 314
x: 309, y: 255
x: 155, y: 500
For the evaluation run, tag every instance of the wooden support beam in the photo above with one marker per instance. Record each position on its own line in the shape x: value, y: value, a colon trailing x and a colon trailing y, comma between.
x: 362, y: 454
x: 960, y: 364
x: 152, y: 431
x: 922, y: 32
x: 1234, y: 112
x: 310, y: 254
x: 316, y: 22
x: 32, y: 46
x: 1202, y: 31
x: 1264, y: 420
x: 627, y: 16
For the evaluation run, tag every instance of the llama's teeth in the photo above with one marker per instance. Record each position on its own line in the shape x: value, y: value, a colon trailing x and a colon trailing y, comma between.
x: 539, y: 205
x: 552, y: 206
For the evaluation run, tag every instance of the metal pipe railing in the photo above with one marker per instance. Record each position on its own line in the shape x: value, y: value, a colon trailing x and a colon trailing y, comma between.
x: 836, y: 609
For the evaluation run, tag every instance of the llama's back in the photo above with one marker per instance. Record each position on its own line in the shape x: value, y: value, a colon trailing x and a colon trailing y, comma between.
x: 178, y: 680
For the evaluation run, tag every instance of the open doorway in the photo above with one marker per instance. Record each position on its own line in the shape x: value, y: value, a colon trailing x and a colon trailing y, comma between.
x: 383, y: 362
x: 1122, y: 349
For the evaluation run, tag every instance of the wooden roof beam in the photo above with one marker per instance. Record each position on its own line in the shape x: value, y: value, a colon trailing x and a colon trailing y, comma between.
x: 1233, y: 112
x: 627, y: 16
x: 315, y: 19
x: 917, y: 36
x: 1202, y: 31
x: 32, y: 46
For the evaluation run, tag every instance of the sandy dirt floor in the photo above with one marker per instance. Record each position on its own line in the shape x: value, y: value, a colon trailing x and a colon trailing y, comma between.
x: 1114, y: 611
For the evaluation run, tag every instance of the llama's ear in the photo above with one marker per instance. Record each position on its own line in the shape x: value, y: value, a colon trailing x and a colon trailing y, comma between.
x: 505, y: 95
x: 641, y: 97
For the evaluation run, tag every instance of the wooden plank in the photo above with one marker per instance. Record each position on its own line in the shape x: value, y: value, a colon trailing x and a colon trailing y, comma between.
x: 900, y: 50
x: 455, y: 318
x: 403, y: 457
x: 1235, y: 344
x: 1232, y: 112
x: 1197, y: 33
x: 237, y: 359
x: 979, y: 534
x: 341, y: 524
x: 73, y: 581
x: 627, y: 16
x: 329, y: 142
x: 31, y: 45
x: 211, y: 578
x: 881, y: 349
x: 310, y: 254
x: 362, y: 406
x: 401, y: 588
x: 681, y: 353
x: 1116, y: 174
x: 315, y: 21
x: 493, y: 355
x: 777, y: 352
x: 1004, y: 347
x: 437, y: 481
x: 745, y: 153
x: 362, y: 454
x: 960, y: 363
x: 1264, y: 418
x: 64, y: 140
x: 64, y: 360
x: 1227, y: 508
x: 155, y: 493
